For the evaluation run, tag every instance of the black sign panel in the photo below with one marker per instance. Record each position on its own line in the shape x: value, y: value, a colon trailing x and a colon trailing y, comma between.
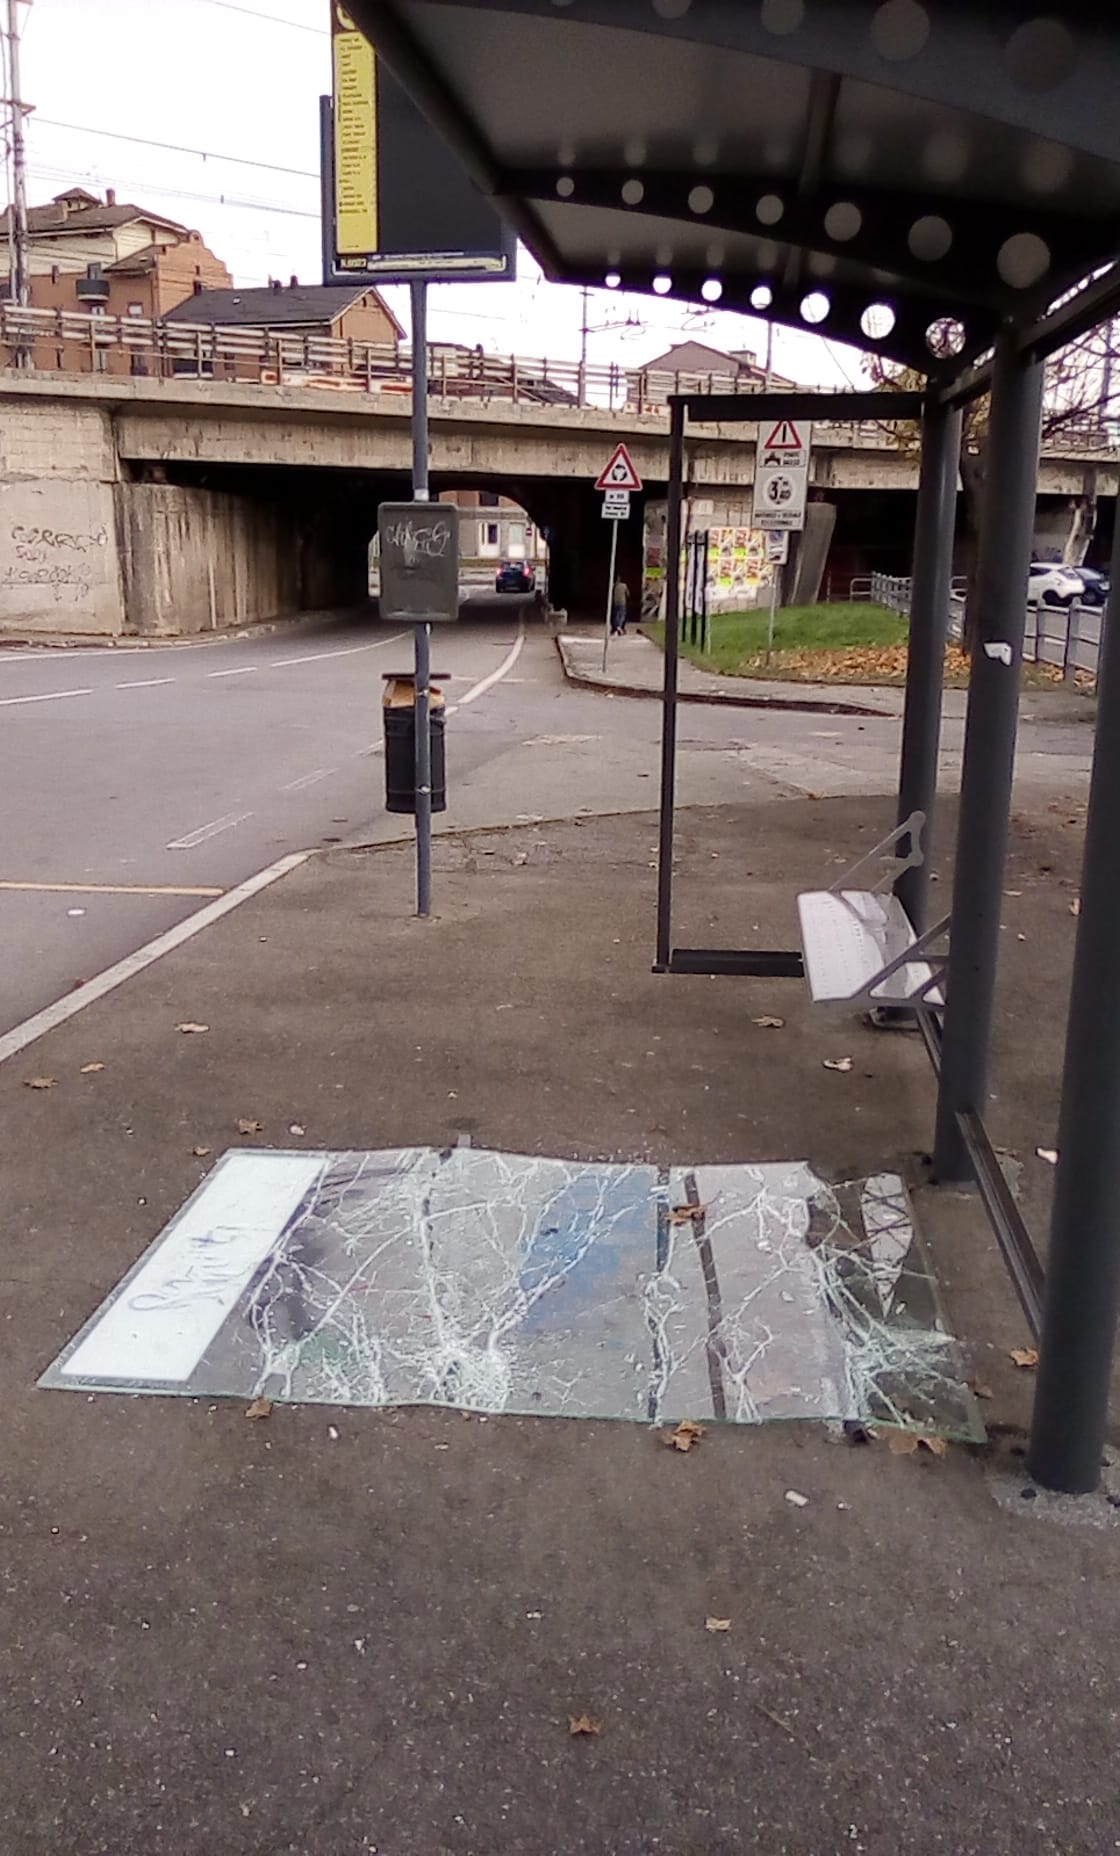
x: 419, y: 547
x: 397, y: 203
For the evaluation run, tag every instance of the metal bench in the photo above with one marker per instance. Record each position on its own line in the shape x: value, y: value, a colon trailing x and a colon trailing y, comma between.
x: 859, y: 945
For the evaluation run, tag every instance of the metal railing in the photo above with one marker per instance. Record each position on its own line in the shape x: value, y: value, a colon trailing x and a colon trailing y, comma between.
x: 1066, y: 637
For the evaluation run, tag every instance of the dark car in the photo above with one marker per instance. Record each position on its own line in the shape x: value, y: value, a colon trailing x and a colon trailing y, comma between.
x: 515, y: 577
x: 1097, y: 586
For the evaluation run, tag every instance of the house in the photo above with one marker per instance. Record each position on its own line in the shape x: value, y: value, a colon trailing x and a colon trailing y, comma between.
x: 106, y: 258
x: 303, y: 313
x: 693, y: 366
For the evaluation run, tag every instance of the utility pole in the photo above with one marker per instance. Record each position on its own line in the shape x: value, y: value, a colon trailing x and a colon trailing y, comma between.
x: 584, y: 331
x: 19, y: 281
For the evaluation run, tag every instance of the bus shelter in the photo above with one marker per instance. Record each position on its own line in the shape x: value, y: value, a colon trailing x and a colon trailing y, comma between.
x: 939, y: 184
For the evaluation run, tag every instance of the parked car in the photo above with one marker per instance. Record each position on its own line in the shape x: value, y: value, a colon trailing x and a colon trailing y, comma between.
x: 1097, y: 586
x: 1051, y: 584
x: 515, y: 577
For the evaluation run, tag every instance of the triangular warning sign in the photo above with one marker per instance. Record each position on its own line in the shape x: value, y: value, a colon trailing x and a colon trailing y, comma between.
x: 784, y: 437
x: 620, y: 473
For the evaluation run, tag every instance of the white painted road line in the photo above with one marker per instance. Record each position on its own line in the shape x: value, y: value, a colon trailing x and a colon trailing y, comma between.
x: 245, y: 671
x: 308, y: 779
x: 145, y: 683
x: 350, y: 650
x: 496, y: 676
x: 22, y: 1035
x: 217, y: 825
x: 9, y: 702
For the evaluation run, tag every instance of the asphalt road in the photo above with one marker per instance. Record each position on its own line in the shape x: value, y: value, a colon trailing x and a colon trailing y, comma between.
x: 141, y: 782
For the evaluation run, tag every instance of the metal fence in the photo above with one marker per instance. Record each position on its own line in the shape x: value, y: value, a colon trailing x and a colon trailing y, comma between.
x: 1066, y: 637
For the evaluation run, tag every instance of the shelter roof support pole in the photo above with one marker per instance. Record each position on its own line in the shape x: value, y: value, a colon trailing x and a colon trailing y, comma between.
x: 929, y: 626
x: 989, y: 747
x: 669, y: 689
x: 1083, y: 1273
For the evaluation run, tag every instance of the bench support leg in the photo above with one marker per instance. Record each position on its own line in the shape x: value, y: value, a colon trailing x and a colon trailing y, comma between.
x: 929, y: 628
x: 1083, y: 1272
x: 989, y: 748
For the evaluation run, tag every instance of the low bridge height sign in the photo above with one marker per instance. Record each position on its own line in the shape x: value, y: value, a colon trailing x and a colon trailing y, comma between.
x: 781, y: 476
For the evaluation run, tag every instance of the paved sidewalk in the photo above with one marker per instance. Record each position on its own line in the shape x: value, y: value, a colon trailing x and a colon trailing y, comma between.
x: 336, y: 1633
x: 635, y: 667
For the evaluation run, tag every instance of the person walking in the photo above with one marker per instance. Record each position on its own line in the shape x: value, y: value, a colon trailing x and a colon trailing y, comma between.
x: 620, y: 602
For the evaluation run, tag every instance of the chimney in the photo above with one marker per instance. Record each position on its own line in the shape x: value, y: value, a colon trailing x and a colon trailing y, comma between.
x: 293, y: 283
x: 198, y: 286
x: 275, y: 285
x: 110, y: 196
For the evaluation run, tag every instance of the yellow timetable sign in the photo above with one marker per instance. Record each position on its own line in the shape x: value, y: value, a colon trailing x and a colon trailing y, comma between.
x: 355, y: 137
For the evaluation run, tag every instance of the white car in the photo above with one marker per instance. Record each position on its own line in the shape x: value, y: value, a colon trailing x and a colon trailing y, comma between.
x: 1051, y: 584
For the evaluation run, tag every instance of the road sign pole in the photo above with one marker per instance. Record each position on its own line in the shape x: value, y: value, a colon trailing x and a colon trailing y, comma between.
x: 422, y: 634
x: 773, y: 610
x: 610, y: 592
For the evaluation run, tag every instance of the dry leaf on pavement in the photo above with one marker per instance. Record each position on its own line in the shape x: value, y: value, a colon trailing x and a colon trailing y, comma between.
x: 686, y: 1434
x: 584, y: 1724
x: 843, y: 1064
x: 40, y: 1082
x: 714, y: 1624
x: 91, y: 1069
x: 981, y: 1389
x: 200, y: 1153
x: 686, y: 1214
x: 189, y: 1025
x: 246, y: 1125
x: 1026, y: 1357
x: 770, y: 1024
x: 937, y: 1446
x: 260, y: 1408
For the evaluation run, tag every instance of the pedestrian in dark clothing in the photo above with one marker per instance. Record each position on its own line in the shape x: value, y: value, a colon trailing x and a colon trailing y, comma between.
x: 620, y: 601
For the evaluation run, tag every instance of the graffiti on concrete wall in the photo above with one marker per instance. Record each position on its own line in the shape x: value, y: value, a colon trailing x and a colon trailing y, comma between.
x: 61, y: 560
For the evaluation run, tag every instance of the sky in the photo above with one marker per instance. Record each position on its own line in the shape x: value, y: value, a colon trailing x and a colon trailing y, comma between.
x: 207, y: 112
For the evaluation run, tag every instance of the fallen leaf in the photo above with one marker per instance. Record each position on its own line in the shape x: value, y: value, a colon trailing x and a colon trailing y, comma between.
x: 189, y: 1025
x: 981, y: 1389
x: 1049, y: 1154
x: 91, y: 1069
x: 583, y: 1724
x: 717, y: 1624
x: 686, y: 1214
x: 260, y: 1408
x: 902, y: 1443
x: 686, y: 1434
x: 200, y: 1153
x: 247, y: 1126
x: 770, y: 1024
x: 843, y: 1064
x: 937, y: 1446
x: 1026, y: 1357
x: 1075, y: 906
x: 40, y: 1082
x: 796, y: 1499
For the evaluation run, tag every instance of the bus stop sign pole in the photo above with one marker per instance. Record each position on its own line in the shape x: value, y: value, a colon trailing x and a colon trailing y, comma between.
x: 422, y: 634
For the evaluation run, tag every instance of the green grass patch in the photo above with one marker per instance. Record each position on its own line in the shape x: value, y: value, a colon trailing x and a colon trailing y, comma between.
x: 738, y: 639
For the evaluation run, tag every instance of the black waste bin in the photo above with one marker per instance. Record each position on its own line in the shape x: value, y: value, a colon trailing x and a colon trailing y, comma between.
x: 399, y: 711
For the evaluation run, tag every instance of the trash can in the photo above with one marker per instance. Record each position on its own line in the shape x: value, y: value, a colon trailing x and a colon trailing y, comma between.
x: 399, y: 711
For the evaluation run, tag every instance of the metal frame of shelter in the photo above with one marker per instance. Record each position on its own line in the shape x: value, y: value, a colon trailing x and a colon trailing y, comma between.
x: 941, y: 183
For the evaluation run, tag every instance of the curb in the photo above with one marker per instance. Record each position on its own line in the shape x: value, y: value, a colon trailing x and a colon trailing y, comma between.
x: 716, y: 699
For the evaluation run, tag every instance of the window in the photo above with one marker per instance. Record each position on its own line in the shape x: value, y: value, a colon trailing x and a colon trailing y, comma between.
x: 492, y: 532
x: 489, y: 499
x: 136, y: 309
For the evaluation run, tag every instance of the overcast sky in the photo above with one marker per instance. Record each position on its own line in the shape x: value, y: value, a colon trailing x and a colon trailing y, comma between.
x: 113, y: 83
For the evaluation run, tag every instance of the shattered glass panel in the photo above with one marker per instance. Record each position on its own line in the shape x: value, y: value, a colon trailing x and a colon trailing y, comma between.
x: 500, y: 1283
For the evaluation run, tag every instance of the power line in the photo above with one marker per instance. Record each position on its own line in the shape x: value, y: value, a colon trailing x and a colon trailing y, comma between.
x: 175, y: 148
x: 180, y: 193
x: 273, y: 19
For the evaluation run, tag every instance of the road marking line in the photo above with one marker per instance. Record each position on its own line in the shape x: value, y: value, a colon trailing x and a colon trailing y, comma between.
x: 8, y: 702
x: 351, y: 650
x: 496, y: 676
x: 145, y: 683
x: 245, y: 671
x: 189, y: 839
x: 308, y: 779
x: 113, y: 889
x: 52, y: 1015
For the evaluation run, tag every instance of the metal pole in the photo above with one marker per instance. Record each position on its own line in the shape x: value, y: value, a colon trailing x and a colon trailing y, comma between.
x: 669, y: 688
x: 774, y: 572
x: 989, y: 748
x: 1083, y: 1273
x: 21, y: 280
x: 932, y: 572
x: 422, y: 634
x: 610, y: 592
